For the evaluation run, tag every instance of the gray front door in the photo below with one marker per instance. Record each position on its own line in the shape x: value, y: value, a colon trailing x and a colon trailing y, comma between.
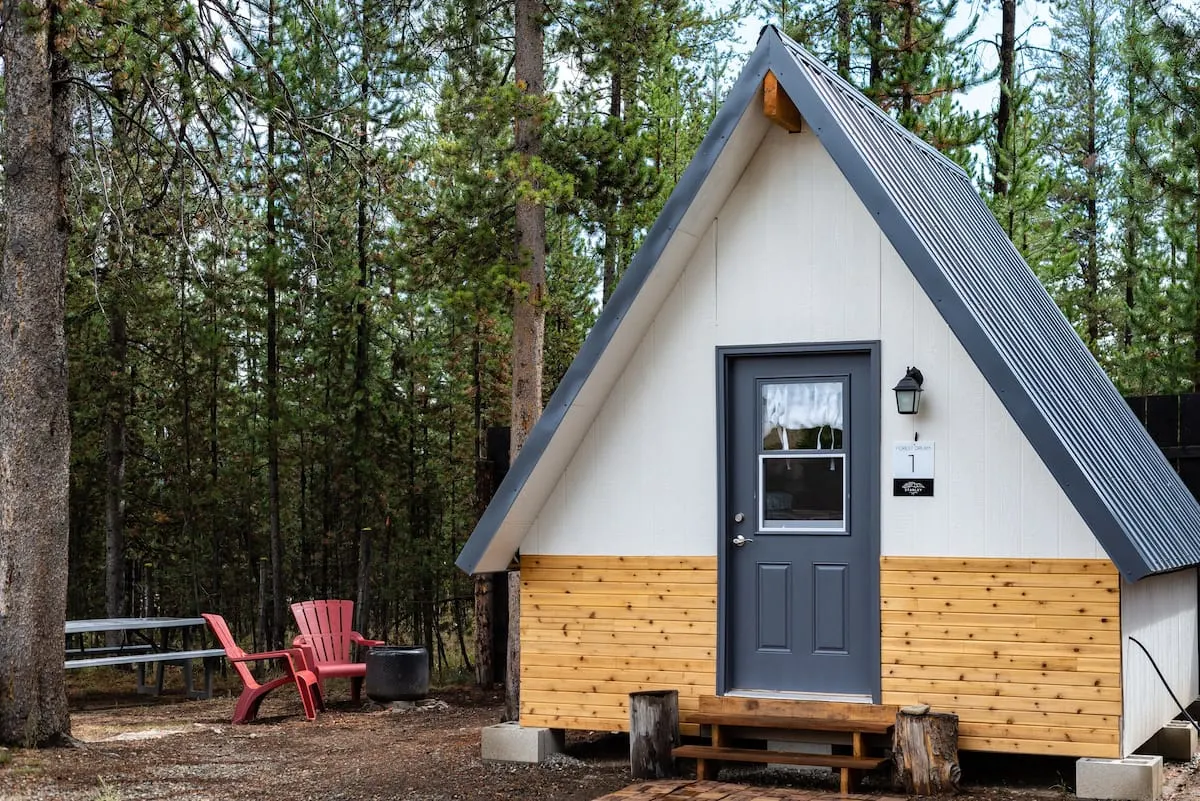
x: 798, y: 541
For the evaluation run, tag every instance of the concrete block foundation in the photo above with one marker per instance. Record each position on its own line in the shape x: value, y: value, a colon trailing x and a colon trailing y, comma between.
x: 512, y: 742
x: 1175, y: 741
x: 1135, y: 778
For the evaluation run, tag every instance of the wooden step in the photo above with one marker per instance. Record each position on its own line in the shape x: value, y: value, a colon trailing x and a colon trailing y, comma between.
x: 758, y: 721
x: 778, y: 757
x: 796, y: 708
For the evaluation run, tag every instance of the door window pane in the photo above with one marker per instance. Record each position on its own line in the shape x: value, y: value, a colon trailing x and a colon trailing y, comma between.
x: 803, y: 492
x: 802, y: 415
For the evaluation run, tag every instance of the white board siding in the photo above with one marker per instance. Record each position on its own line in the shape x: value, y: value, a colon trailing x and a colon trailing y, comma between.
x: 1160, y: 611
x: 794, y: 257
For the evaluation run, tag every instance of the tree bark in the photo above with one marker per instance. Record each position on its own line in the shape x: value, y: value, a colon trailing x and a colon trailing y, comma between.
x: 653, y: 733
x: 485, y: 673
x: 1008, y: 47
x: 875, y: 44
x: 529, y: 315
x: 925, y: 751
x: 1091, y: 275
x: 278, y: 621
x: 611, y: 235
x: 485, y: 676
x: 363, y: 603
x: 362, y: 325
x: 845, y: 31
x: 35, y: 433
x: 114, y: 491
x: 1131, y: 221
x: 512, y: 676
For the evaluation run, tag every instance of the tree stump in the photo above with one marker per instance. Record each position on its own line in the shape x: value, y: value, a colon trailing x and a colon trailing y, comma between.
x: 653, y: 733
x: 925, y: 751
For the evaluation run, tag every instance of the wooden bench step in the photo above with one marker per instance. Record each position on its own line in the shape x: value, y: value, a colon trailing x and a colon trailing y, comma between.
x: 778, y: 757
x: 790, y: 722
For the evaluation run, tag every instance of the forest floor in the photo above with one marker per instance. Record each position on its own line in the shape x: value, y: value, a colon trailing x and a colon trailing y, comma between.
x: 134, y: 748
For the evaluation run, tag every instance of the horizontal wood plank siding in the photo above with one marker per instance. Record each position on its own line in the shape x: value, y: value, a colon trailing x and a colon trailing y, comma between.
x: 1027, y: 652
x: 596, y: 628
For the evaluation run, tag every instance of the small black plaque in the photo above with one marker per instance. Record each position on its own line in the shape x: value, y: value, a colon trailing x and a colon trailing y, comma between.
x: 912, y: 487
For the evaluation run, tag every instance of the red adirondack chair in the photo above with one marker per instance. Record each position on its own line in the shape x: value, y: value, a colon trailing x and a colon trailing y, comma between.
x: 253, y: 692
x: 326, y: 634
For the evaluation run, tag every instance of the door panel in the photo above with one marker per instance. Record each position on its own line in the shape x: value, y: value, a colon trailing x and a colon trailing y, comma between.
x: 774, y: 607
x: 829, y: 608
x: 801, y: 593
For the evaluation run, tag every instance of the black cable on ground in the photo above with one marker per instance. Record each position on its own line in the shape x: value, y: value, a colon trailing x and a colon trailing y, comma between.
x: 1161, y: 678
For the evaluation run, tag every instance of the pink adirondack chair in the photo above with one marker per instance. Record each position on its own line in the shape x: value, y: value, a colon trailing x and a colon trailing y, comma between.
x: 326, y: 634
x: 253, y: 692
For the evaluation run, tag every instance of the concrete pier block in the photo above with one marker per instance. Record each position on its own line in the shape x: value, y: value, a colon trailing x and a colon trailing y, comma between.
x: 1135, y: 778
x: 1175, y: 741
x: 512, y: 742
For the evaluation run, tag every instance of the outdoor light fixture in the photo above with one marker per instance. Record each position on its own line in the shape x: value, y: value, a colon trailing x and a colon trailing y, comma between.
x: 908, y: 391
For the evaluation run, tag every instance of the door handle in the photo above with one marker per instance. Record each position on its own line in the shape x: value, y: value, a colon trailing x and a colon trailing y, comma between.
x: 739, y: 540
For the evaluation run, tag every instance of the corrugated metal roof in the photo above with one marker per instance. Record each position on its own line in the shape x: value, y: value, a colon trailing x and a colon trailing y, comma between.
x: 1114, y: 474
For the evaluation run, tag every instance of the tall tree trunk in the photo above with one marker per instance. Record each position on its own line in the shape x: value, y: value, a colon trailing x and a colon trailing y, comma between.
x: 907, y: 47
x: 1091, y: 276
x: 1132, y: 221
x: 844, y: 33
x: 1195, y: 294
x: 35, y: 430
x: 114, y: 489
x: 485, y: 674
x: 362, y: 332
x: 276, y: 535
x: 611, y: 236
x: 214, y: 452
x: 1008, y: 49
x: 875, y: 47
x: 529, y: 315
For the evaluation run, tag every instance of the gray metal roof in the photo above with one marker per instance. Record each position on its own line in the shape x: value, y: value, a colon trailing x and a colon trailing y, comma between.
x: 1116, y: 477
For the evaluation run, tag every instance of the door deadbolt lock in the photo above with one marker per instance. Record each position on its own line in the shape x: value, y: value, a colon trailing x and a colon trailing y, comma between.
x: 739, y: 540
x: 739, y: 517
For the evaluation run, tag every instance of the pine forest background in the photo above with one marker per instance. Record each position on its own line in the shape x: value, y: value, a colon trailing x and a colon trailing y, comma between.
x: 292, y: 260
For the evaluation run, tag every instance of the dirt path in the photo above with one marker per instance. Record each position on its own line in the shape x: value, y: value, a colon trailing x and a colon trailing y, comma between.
x: 189, y: 750
x: 134, y: 750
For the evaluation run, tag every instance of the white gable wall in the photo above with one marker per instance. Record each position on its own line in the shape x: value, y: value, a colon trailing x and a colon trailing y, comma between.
x: 793, y: 256
x: 1160, y: 612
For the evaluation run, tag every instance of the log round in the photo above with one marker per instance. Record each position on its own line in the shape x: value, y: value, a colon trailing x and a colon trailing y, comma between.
x: 653, y: 733
x: 925, y: 751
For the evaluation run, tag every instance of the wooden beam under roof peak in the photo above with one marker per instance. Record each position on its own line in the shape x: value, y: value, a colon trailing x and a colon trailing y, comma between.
x: 777, y: 106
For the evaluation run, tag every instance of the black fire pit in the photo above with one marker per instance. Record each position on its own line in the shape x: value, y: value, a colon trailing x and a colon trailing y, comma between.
x: 397, y: 673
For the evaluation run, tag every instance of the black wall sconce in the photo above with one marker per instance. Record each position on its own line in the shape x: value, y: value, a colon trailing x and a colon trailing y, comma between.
x: 908, y: 392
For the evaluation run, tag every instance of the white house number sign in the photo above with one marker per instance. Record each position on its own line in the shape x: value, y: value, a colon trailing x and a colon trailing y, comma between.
x: 912, y: 469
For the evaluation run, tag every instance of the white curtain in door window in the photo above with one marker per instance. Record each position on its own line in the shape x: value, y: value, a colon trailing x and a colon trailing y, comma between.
x: 801, y: 406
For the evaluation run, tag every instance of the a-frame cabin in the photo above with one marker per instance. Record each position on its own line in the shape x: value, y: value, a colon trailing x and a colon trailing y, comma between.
x: 722, y: 497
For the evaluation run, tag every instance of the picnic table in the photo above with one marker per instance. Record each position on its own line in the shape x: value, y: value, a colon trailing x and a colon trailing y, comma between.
x: 159, y: 641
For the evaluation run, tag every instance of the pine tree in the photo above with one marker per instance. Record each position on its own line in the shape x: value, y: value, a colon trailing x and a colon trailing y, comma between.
x: 34, y: 426
x: 1174, y: 42
x: 1078, y: 97
x: 918, y: 68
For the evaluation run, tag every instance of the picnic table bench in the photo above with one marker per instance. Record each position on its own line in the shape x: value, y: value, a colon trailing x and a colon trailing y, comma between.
x: 160, y: 651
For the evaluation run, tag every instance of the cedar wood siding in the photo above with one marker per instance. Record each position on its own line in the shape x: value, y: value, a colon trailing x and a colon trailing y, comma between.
x: 1026, y: 652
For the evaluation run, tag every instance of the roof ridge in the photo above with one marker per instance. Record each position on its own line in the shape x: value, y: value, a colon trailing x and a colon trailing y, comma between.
x: 854, y: 94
